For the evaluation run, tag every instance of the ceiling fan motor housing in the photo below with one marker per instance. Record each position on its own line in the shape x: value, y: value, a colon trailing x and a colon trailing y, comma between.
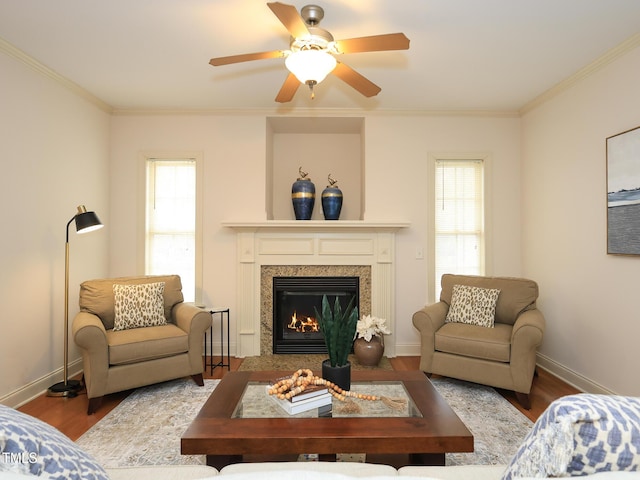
x: 312, y: 14
x: 318, y: 39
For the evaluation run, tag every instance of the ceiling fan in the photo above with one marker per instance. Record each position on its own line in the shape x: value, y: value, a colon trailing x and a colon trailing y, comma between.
x: 312, y: 52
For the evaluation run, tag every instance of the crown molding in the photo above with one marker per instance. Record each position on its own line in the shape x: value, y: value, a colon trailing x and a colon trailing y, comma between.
x: 45, y: 71
x: 623, y: 48
x: 314, y: 112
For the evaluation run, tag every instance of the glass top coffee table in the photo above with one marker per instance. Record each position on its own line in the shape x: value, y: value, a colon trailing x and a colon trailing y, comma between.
x: 240, y: 422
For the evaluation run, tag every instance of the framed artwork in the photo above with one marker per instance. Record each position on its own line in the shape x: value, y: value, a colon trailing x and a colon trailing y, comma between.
x: 623, y: 193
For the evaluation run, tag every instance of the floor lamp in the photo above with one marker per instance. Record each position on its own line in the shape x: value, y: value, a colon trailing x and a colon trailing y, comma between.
x: 85, y: 222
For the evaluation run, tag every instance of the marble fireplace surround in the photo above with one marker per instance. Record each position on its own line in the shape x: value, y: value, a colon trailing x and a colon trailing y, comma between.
x: 310, y: 248
x: 363, y: 272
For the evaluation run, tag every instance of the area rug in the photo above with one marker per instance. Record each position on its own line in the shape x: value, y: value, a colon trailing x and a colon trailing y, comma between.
x: 145, y: 428
x: 294, y: 362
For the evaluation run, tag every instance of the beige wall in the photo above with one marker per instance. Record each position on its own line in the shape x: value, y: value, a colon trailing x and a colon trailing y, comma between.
x: 547, y: 203
x: 235, y: 152
x: 588, y: 297
x: 54, y: 156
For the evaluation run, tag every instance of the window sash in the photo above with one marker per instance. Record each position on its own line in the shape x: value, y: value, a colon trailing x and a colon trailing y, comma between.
x: 170, y: 226
x: 459, y: 218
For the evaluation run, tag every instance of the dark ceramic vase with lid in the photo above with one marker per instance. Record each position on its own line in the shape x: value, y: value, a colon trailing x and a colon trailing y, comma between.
x: 303, y: 196
x: 331, y: 200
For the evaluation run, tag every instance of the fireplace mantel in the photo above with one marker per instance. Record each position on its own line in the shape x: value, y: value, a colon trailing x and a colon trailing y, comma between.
x: 317, y: 225
x: 312, y: 243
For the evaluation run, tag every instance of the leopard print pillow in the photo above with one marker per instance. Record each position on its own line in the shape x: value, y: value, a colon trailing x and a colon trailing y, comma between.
x: 138, y: 306
x: 473, y: 305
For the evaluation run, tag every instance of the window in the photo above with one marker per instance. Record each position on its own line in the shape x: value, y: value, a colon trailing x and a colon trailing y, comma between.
x: 172, y: 229
x: 458, y: 220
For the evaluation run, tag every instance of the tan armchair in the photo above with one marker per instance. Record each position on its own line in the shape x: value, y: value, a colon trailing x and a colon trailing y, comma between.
x: 117, y: 360
x: 503, y: 356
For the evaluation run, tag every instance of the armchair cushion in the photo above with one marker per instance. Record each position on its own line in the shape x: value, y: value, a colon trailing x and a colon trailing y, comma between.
x: 474, y: 341
x: 516, y: 294
x: 473, y: 305
x: 97, y: 297
x: 138, y: 306
x: 141, y: 344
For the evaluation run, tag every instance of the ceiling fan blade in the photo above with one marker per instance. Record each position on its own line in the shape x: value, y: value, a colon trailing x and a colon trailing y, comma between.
x: 288, y: 90
x: 375, y: 43
x: 290, y: 18
x: 246, y: 57
x: 354, y: 79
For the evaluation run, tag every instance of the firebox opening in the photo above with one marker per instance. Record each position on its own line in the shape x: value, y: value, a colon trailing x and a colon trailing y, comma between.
x: 295, y: 301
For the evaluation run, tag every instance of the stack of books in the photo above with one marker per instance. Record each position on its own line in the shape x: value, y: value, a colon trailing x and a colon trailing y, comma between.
x: 313, y: 397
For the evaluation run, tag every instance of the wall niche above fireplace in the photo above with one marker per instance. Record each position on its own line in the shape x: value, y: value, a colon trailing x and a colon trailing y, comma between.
x: 321, y: 146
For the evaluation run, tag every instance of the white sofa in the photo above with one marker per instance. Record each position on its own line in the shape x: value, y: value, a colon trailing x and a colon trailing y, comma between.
x: 328, y: 471
x: 316, y: 471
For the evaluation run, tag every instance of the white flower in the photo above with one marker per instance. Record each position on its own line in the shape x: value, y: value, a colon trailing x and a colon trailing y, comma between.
x: 369, y: 327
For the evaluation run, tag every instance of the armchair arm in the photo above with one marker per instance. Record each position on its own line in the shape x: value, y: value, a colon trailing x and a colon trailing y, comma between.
x: 195, y: 322
x: 89, y: 332
x: 428, y: 320
x: 526, y: 337
x: 91, y: 337
x: 191, y: 319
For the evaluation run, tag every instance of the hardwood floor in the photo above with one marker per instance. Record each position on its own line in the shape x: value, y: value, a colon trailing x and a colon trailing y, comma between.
x: 69, y: 415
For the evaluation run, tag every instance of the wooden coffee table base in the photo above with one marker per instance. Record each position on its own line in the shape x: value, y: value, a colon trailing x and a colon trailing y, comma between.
x: 397, y: 441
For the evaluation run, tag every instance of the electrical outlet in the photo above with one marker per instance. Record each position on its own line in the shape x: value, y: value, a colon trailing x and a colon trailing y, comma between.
x: 419, y: 253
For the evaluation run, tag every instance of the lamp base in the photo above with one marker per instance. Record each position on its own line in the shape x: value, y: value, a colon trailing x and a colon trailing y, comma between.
x: 69, y: 389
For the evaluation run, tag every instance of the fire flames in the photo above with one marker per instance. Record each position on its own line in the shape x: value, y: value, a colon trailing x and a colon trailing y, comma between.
x: 303, y: 325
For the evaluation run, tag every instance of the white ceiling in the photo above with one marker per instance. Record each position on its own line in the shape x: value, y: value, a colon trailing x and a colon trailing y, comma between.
x: 494, y: 55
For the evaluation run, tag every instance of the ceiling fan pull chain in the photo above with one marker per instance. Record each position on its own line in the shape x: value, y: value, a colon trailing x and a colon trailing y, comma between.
x: 311, y: 83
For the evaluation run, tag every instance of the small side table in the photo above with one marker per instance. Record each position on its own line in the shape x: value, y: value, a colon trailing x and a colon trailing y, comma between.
x: 214, y: 311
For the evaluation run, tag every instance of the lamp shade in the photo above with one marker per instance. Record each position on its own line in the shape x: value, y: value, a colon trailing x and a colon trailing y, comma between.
x: 310, y: 65
x: 86, y: 221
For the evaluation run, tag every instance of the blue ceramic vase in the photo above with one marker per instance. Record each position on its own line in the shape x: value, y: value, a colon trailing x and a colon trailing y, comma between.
x: 331, y: 200
x: 303, y: 196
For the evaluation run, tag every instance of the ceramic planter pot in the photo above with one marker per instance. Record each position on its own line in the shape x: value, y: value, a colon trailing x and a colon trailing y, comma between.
x: 369, y: 353
x: 341, y: 376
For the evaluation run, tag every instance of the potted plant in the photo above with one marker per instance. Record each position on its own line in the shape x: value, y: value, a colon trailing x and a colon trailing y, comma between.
x: 369, y: 344
x: 338, y: 328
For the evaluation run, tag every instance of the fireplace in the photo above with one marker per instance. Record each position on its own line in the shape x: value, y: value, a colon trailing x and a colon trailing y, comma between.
x: 310, y: 248
x: 295, y: 301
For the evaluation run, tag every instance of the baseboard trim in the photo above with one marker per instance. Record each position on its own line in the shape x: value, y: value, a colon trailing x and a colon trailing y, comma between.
x: 565, y: 374
x: 34, y: 389
x: 570, y: 377
x: 407, y: 350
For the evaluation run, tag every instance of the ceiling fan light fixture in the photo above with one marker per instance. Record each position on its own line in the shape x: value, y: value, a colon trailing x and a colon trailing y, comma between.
x: 310, y: 66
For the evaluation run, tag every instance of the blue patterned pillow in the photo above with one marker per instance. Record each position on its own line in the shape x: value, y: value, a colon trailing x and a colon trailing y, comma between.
x: 581, y: 435
x: 30, y: 446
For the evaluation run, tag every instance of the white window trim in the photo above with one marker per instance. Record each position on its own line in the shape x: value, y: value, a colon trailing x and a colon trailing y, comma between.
x: 142, y: 199
x: 432, y: 158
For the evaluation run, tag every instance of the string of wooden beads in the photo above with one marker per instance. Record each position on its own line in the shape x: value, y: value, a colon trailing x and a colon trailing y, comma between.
x: 289, y: 387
